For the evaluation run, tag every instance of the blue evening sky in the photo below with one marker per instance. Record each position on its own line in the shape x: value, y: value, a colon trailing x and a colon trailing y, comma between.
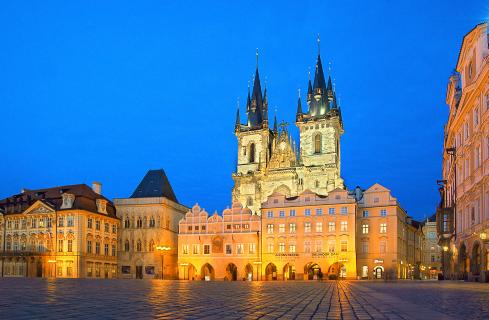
x: 105, y: 90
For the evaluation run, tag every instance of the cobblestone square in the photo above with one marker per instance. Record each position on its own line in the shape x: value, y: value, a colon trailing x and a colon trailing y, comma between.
x: 133, y: 299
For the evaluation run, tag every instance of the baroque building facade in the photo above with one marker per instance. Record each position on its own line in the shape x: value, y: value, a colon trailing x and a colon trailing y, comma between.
x: 463, y: 214
x: 269, y: 161
x: 64, y: 232
x: 148, y: 237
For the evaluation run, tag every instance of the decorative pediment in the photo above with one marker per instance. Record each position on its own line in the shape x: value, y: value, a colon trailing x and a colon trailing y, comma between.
x: 68, y: 200
x: 102, y: 206
x: 39, y: 207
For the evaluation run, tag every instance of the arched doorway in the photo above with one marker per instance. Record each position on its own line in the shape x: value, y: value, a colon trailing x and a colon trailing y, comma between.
x: 207, y: 272
x: 249, y: 272
x: 39, y: 268
x: 271, y: 272
x: 336, y: 271
x: 231, y: 272
x: 378, y: 272
x: 289, y: 272
x: 189, y: 271
x: 313, y: 271
x: 462, y: 261
x: 476, y: 259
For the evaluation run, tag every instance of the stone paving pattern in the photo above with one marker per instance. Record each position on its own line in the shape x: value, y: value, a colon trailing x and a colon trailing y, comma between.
x: 138, y: 299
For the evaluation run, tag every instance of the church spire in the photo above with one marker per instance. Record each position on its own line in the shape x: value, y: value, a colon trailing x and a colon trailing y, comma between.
x: 237, y: 124
x: 298, y: 115
x: 256, y: 109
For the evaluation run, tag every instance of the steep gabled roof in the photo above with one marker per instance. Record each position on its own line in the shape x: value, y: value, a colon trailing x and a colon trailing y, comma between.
x: 155, y: 184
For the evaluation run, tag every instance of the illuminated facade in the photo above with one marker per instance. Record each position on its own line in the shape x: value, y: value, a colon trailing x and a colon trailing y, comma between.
x: 432, y: 251
x: 463, y: 214
x: 221, y: 247
x: 270, y: 161
x: 309, y: 237
x: 148, y: 237
x: 65, y: 232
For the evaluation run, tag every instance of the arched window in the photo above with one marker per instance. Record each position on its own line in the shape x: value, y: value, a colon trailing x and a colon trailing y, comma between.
x: 126, y: 246
x: 139, y: 246
x: 252, y: 153
x: 140, y: 222
x: 317, y: 143
x: 249, y: 201
x: 127, y: 223
x: 151, y: 246
x: 152, y: 222
x: 145, y: 220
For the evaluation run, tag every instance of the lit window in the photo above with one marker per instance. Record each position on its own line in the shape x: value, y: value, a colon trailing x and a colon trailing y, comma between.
x: 195, y: 249
x: 185, y: 249
x: 292, y: 228
x: 331, y: 246
x: 270, y: 228
x: 383, y: 228
x: 252, y: 248
x: 344, y: 226
x: 292, y: 248
x: 70, y: 221
x: 307, y: 227
x: 307, y: 246
x: 281, y: 247
x: 61, y: 221
x: 319, y: 246
x: 70, y: 246
x: 331, y: 226
x: 319, y: 227
x: 270, y: 247
x: 240, y: 248
x: 281, y: 228
x: 60, y: 245
x: 364, y: 228
x: 344, y: 245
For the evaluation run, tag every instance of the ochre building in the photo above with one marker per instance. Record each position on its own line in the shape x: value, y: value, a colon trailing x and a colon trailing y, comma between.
x: 64, y: 232
x: 148, y: 237
x: 463, y: 216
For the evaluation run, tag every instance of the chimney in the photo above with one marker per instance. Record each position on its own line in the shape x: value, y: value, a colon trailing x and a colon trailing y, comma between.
x: 97, y: 187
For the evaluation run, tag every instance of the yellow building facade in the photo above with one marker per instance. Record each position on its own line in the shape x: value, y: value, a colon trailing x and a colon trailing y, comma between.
x: 464, y: 211
x: 148, y: 236
x: 64, y: 232
x: 219, y: 247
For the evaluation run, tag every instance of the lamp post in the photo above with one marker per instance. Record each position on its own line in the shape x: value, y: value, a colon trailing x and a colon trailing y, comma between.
x: 163, y: 249
x: 257, y: 263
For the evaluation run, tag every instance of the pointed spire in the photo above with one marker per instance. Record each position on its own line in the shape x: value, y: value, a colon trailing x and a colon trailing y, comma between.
x: 248, y: 100
x: 319, y: 82
x: 238, y: 120
x: 319, y: 44
x: 275, y: 127
x: 298, y: 115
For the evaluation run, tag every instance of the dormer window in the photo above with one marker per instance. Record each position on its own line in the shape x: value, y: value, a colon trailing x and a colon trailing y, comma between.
x: 68, y: 200
x: 102, y: 206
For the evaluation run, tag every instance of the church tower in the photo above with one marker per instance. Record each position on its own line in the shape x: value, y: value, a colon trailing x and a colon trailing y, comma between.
x: 320, y: 129
x: 254, y: 147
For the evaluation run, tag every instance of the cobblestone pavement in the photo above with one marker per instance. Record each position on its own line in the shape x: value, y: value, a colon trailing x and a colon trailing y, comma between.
x: 138, y: 299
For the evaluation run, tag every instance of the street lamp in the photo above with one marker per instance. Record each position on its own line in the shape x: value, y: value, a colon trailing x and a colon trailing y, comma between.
x: 257, y: 263
x: 162, y: 249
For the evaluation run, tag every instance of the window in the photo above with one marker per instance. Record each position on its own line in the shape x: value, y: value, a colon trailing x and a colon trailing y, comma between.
x: 307, y: 212
x: 97, y: 247
x: 476, y: 117
x: 127, y: 223
x: 292, y: 248
x: 207, y: 248
x: 228, y: 227
x: 365, y: 228
x: 42, y: 223
x: 344, y: 226
x: 331, y: 211
x: 281, y: 213
x: 113, y: 250
x: 331, y: 246
x: 61, y: 221
x: 270, y: 228
x: 281, y: 228
x: 189, y: 228
x: 97, y: 225
x: 139, y: 246
x: 252, y: 153
x: 365, y: 214
x: 60, y: 245
x: 106, y: 227
x: 151, y: 246
x: 240, y: 248
x: 114, y: 228
x: 70, y: 246
x: 89, y: 246
x: 229, y: 249
x: 270, y: 247
x: 487, y: 101
x: 319, y: 246
x: 307, y: 246
x: 16, y: 224
x: 139, y: 223
x: 364, y: 247
x: 34, y: 221
x: 319, y: 227
x: 383, y: 228
x: 48, y: 222
x: 152, y: 222
x: 106, y: 249
x: 466, y: 131
x: 382, y: 246
x: 317, y: 143
x: 185, y: 249
x: 344, y: 245
x: 195, y: 249
x: 383, y: 212
x: 70, y: 221
x: 281, y: 247
x: 307, y: 227
x: 344, y: 210
x: 252, y: 248
x: 249, y: 201
x: 331, y: 226
x: 319, y: 212
x: 292, y: 213
x: 269, y: 214
x: 292, y: 228
x: 477, y: 156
